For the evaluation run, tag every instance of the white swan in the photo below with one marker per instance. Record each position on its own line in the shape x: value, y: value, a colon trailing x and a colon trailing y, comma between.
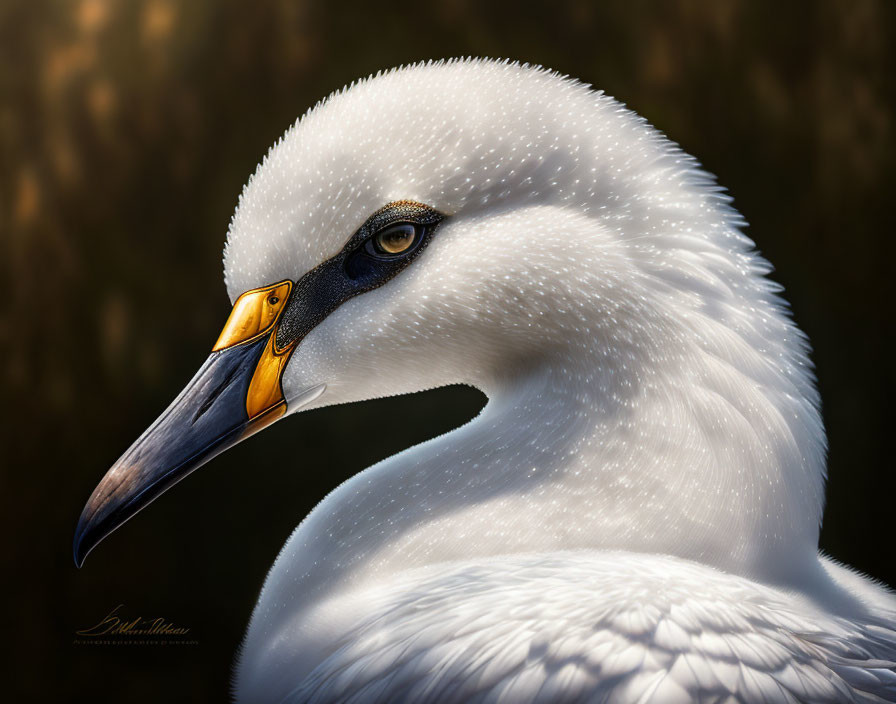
x: 634, y: 515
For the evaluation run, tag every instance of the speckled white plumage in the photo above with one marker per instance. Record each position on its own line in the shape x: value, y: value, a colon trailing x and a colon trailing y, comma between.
x: 648, y: 394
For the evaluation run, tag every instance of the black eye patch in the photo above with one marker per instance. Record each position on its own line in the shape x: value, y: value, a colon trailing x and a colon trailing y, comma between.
x: 381, y: 248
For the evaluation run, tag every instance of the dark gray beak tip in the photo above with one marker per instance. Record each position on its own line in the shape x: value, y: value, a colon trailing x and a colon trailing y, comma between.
x: 92, y: 527
x: 82, y: 545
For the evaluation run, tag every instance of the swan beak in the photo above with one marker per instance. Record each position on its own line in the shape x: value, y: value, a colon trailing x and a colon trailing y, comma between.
x: 236, y: 393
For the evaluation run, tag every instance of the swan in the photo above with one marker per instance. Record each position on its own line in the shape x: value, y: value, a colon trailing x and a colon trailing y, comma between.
x: 633, y: 516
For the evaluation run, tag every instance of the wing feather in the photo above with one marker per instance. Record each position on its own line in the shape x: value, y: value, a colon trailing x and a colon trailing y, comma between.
x: 596, y: 627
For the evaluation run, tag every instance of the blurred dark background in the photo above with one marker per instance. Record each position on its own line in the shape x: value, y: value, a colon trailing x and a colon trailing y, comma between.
x: 127, y: 130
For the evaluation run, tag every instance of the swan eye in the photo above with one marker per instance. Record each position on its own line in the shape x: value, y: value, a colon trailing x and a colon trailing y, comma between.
x: 395, y: 239
x: 384, y: 246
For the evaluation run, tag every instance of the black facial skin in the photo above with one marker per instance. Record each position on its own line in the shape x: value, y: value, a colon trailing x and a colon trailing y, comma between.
x: 358, y: 268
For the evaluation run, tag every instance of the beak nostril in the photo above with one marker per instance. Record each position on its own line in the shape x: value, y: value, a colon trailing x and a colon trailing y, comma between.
x: 214, y: 395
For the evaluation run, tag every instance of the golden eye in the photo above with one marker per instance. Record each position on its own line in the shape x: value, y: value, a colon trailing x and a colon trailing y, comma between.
x: 274, y: 300
x: 396, y: 239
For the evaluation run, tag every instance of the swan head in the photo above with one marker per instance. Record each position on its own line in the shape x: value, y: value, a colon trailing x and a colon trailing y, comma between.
x: 475, y: 222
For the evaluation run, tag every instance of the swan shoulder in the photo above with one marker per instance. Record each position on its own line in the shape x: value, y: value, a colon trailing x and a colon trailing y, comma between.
x: 587, y: 626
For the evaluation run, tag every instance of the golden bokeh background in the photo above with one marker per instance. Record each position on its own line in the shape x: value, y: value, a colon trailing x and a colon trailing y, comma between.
x: 127, y: 129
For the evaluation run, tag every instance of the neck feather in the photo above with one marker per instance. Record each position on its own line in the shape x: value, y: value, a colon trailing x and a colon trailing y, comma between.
x: 703, y: 462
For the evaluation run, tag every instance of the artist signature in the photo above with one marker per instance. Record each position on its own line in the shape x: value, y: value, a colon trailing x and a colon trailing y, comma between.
x: 117, y: 626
